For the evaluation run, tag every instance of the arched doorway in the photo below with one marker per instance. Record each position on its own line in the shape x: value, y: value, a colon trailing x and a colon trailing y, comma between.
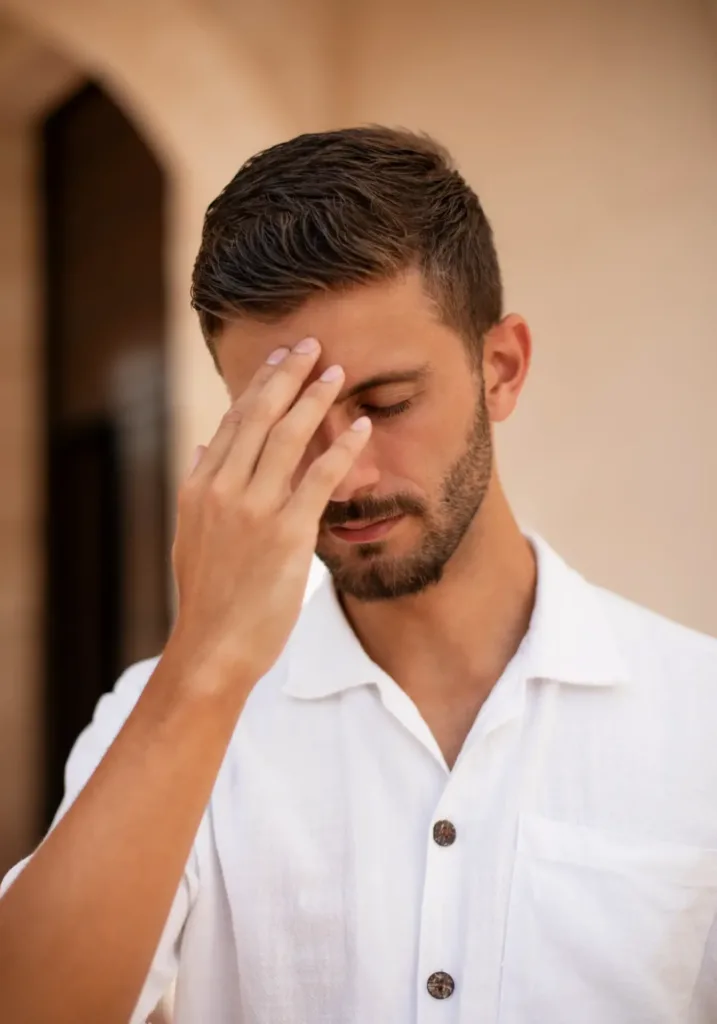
x: 105, y: 412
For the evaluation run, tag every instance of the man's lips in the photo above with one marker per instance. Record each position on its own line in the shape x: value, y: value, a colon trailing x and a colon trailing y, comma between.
x: 366, y: 530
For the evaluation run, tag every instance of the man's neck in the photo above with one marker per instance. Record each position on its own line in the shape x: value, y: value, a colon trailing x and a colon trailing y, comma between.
x: 456, y: 638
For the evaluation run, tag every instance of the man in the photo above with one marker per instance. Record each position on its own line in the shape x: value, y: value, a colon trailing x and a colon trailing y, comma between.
x: 462, y: 784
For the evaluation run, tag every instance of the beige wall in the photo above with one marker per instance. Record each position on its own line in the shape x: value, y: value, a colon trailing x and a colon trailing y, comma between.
x: 589, y: 130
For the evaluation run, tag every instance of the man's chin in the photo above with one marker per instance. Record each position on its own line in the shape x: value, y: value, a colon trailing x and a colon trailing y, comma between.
x: 376, y: 576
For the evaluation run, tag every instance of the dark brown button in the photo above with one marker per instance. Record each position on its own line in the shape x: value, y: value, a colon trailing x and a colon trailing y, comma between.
x: 444, y: 833
x: 440, y: 985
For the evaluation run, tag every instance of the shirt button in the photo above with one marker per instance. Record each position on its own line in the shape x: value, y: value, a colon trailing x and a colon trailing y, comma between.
x: 440, y: 985
x: 444, y: 833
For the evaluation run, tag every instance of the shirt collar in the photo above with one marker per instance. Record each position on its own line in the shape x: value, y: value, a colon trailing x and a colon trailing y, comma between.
x: 324, y: 654
x: 570, y: 638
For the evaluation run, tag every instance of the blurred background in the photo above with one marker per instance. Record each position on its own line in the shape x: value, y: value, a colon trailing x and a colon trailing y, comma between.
x: 588, y: 128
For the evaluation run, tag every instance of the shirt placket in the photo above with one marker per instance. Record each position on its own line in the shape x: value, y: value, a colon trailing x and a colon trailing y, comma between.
x: 459, y: 954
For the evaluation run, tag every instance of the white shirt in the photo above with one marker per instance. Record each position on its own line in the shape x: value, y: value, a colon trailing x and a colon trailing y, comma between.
x: 581, y: 887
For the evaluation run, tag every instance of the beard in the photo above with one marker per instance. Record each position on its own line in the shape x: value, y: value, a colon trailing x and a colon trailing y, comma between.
x: 370, y: 575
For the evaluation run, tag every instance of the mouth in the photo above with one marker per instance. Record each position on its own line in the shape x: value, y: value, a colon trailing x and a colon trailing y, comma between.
x: 365, y: 531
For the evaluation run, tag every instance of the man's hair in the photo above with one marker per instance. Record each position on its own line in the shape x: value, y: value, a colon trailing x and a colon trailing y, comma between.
x: 328, y: 211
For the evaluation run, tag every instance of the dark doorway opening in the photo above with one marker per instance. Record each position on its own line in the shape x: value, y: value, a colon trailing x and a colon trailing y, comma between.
x: 107, y: 550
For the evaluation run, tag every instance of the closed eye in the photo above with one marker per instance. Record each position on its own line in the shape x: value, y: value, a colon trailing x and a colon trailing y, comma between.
x: 385, y: 412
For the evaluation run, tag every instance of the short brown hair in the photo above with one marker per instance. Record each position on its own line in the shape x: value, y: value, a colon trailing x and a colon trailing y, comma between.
x: 328, y: 211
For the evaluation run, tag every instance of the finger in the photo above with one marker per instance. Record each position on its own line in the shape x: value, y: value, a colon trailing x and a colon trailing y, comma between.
x: 262, y: 376
x: 197, y: 457
x: 287, y: 441
x: 221, y: 443
x: 326, y: 473
x: 215, y: 453
x: 260, y: 414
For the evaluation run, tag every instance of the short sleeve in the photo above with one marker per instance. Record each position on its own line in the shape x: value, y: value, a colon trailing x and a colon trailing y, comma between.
x: 112, y: 711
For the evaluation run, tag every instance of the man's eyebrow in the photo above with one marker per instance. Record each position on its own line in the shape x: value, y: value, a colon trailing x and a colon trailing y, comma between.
x: 379, y: 380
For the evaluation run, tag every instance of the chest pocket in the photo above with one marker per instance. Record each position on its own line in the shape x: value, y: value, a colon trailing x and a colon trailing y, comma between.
x: 603, y: 930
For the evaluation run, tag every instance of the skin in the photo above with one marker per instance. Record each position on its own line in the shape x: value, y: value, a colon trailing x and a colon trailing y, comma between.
x: 427, y: 640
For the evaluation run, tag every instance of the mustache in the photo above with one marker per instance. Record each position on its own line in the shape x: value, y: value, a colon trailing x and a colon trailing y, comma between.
x: 339, y: 513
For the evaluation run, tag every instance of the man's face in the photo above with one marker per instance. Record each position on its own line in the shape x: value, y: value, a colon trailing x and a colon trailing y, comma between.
x: 403, y: 510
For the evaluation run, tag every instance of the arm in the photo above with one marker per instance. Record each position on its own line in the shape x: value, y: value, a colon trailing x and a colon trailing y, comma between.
x: 79, y: 926
x: 110, y: 714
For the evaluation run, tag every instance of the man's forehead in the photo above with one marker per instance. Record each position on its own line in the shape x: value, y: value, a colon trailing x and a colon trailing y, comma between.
x: 369, y: 330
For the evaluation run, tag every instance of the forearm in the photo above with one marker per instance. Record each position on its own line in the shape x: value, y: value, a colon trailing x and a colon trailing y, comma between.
x: 79, y: 927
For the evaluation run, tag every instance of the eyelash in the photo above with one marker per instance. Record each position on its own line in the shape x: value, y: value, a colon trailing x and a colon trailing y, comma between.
x: 385, y: 412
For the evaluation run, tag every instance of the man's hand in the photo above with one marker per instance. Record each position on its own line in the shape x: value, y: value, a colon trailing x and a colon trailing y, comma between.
x: 245, y: 540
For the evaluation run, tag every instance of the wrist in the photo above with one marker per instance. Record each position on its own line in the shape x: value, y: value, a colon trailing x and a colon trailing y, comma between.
x: 204, y: 669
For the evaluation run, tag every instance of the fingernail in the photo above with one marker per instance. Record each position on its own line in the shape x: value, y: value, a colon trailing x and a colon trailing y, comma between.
x: 277, y: 356
x: 307, y: 347
x: 197, y: 457
x: 331, y: 374
x: 361, y: 424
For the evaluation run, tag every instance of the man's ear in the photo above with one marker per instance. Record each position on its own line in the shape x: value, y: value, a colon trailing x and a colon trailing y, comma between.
x: 507, y: 350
